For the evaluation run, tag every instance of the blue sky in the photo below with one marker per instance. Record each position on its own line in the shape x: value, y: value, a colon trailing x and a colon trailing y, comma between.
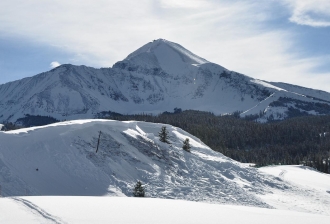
x: 273, y: 40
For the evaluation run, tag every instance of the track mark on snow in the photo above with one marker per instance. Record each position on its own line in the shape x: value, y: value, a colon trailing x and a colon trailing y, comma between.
x: 283, y: 172
x: 38, y: 210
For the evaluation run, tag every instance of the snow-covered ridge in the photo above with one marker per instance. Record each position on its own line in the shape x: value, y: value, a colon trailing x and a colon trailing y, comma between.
x: 158, y: 77
x: 61, y: 159
x: 267, y: 85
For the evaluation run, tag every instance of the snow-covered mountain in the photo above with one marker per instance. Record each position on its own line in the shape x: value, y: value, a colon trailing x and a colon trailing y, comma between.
x: 61, y: 159
x: 158, y: 77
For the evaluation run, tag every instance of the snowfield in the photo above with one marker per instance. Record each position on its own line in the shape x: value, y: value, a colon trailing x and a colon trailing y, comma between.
x: 301, y: 175
x: 61, y: 160
x: 140, y: 210
x: 313, y: 185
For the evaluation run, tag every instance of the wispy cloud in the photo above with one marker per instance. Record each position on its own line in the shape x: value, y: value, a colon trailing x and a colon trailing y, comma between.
x: 54, y: 64
x: 315, y: 13
x: 184, y: 3
x: 236, y: 34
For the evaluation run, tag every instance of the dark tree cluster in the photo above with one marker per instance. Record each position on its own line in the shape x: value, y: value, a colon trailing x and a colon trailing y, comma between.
x: 300, y: 140
x: 30, y: 121
x: 36, y: 120
x: 11, y: 126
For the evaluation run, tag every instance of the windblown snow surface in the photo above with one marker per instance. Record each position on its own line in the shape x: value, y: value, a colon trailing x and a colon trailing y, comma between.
x: 61, y: 160
x: 79, y: 210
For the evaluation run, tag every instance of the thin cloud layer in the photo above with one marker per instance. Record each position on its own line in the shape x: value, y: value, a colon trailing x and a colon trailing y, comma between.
x: 184, y: 3
x: 235, y: 34
x: 315, y: 13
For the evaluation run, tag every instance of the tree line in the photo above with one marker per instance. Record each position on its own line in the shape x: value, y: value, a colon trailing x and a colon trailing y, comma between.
x: 300, y: 140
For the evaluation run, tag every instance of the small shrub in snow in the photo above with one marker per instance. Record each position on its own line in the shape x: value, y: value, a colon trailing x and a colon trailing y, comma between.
x: 186, y: 145
x: 138, y: 190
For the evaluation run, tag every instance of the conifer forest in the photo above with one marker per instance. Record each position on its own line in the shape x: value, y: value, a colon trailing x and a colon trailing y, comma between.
x: 300, y: 140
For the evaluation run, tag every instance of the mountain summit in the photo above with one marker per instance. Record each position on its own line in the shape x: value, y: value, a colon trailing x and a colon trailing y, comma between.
x: 164, y: 49
x: 157, y: 77
x: 171, y: 57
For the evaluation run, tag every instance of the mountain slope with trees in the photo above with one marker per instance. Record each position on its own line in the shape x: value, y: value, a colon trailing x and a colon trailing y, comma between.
x: 301, y: 140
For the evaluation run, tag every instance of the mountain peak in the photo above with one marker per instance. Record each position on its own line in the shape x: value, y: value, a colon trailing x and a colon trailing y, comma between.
x: 162, y: 46
x: 170, y: 56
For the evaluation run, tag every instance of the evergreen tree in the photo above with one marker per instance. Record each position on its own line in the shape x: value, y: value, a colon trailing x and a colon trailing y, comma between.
x: 163, y: 135
x: 138, y: 190
x: 186, y: 146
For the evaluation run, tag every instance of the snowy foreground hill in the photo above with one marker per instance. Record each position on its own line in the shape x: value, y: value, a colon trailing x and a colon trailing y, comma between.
x: 158, y: 77
x: 81, y: 210
x: 61, y: 160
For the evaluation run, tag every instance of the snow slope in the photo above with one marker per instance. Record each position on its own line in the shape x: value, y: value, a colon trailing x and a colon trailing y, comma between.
x: 309, y: 181
x: 67, y: 164
x: 318, y: 94
x: 139, y: 210
x: 60, y: 159
x: 301, y: 175
x: 157, y: 77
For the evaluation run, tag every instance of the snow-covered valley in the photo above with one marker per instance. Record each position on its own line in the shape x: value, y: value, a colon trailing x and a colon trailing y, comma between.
x: 61, y: 160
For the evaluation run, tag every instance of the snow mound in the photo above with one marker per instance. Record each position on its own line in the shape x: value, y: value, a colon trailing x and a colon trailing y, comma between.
x: 61, y: 159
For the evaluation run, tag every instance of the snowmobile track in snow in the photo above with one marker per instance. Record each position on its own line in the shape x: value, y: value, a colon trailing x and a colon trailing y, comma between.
x: 37, y: 210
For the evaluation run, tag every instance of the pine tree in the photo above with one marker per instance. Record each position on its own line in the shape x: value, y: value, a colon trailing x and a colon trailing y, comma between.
x: 163, y: 135
x: 138, y: 190
x: 186, y: 146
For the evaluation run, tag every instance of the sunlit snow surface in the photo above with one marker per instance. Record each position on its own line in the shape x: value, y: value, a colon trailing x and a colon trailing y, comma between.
x: 67, y: 162
x: 60, y: 160
x: 314, y: 189
x: 79, y: 210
